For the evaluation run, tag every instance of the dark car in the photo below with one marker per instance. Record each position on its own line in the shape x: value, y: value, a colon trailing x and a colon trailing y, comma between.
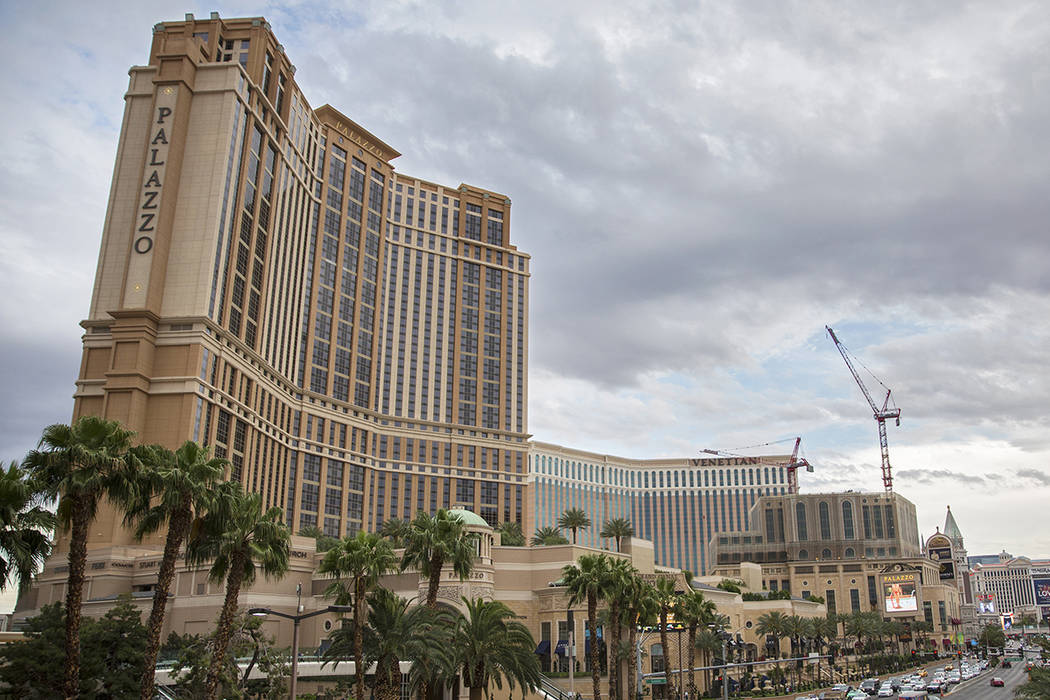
x: 1007, y: 664
x: 997, y: 682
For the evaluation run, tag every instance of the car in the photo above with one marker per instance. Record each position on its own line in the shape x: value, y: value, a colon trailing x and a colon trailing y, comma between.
x: 1007, y: 663
x: 997, y: 682
x: 935, y: 686
x: 923, y: 673
x: 886, y: 691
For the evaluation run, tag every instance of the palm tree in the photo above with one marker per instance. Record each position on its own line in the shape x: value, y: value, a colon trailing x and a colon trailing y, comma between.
x: 511, y: 534
x: 617, y: 590
x: 238, y: 538
x: 666, y: 598
x: 641, y: 610
x: 708, y: 643
x: 395, y: 530
x: 396, y: 632
x: 1037, y: 687
x: 772, y: 624
x: 175, y: 485
x: 696, y: 612
x: 617, y: 529
x: 80, y: 464
x: 588, y: 579
x: 24, y: 527
x: 431, y: 542
x: 357, y: 563
x: 547, y: 536
x: 492, y: 645
x: 796, y: 627
x: 573, y: 519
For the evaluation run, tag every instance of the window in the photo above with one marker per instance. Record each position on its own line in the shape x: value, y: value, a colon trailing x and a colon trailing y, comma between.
x: 829, y: 598
x: 800, y: 521
x: 825, y: 553
x: 656, y: 657
x: 825, y: 521
x: 803, y: 554
x: 847, y: 520
x: 850, y: 554
x: 854, y: 600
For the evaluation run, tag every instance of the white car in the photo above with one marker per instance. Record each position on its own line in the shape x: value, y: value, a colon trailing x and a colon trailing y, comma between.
x: 886, y: 691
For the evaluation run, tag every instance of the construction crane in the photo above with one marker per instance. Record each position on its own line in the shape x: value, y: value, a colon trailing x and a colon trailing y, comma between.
x: 792, y: 465
x: 881, y: 414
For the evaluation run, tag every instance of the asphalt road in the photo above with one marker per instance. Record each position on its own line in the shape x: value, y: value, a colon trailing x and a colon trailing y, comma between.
x: 979, y: 687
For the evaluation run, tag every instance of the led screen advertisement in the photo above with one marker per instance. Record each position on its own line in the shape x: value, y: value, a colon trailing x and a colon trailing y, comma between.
x: 986, y: 603
x: 943, y: 557
x: 1042, y: 591
x: 900, y: 593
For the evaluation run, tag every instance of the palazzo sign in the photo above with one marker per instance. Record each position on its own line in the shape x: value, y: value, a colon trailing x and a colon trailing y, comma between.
x: 156, y: 158
x: 151, y: 190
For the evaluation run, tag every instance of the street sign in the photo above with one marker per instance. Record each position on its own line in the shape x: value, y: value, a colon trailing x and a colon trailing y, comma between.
x: 656, y: 680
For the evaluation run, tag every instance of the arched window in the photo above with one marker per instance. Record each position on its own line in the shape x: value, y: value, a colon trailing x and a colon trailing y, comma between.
x: 825, y: 520
x: 803, y: 554
x: 800, y: 521
x: 850, y: 554
x: 825, y: 553
x: 656, y: 658
x: 847, y: 520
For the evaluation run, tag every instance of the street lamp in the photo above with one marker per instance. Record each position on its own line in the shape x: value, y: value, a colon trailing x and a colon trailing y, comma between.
x: 727, y: 639
x: 296, y: 619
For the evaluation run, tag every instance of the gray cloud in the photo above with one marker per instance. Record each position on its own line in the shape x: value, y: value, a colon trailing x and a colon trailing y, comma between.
x: 932, y: 476
x: 1036, y: 476
x: 701, y: 189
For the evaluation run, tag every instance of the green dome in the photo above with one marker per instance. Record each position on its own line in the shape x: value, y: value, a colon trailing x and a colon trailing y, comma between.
x: 469, y: 517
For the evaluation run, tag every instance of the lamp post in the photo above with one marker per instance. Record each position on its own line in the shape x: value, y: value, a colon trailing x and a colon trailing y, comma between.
x: 727, y: 639
x: 296, y: 619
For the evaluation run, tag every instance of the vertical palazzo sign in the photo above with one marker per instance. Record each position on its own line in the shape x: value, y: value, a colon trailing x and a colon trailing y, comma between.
x: 150, y: 196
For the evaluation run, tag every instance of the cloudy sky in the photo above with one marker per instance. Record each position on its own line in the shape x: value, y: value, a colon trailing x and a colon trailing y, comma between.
x: 702, y: 186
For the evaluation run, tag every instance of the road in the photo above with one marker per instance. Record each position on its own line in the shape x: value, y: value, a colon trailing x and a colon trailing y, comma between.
x: 979, y: 688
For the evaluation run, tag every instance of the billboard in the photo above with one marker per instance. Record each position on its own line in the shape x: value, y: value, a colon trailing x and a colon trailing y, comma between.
x: 1042, y: 590
x: 900, y: 593
x: 986, y: 603
x: 943, y: 557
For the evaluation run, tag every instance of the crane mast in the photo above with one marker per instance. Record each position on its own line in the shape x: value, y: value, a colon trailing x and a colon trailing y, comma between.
x: 880, y: 413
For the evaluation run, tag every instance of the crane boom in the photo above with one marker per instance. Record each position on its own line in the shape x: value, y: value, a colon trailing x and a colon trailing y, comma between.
x: 792, y: 465
x: 881, y: 414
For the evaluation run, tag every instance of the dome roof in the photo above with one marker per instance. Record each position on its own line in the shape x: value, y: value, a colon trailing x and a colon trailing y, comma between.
x: 469, y: 517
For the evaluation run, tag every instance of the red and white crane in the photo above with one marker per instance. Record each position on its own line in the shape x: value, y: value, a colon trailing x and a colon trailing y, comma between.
x: 881, y: 414
x: 792, y: 465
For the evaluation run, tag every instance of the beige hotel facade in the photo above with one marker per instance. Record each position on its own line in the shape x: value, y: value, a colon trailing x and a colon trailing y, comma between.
x: 354, y: 340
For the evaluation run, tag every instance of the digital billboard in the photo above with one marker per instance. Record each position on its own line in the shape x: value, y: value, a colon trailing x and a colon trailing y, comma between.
x: 1042, y: 591
x: 986, y: 603
x: 900, y: 593
x: 943, y: 557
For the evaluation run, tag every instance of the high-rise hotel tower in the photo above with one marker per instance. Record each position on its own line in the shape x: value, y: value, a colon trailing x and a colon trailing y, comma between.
x: 352, y: 339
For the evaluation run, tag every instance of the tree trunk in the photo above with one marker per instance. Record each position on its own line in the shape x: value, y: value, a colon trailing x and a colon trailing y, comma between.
x: 613, y: 650
x: 632, y: 667
x: 692, y: 661
x: 436, y: 564
x: 80, y: 519
x: 592, y: 625
x: 223, y: 633
x: 665, y: 649
x: 178, y: 524
x: 359, y: 619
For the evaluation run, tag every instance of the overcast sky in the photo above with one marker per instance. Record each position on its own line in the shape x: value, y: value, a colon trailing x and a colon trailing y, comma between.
x: 702, y: 187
